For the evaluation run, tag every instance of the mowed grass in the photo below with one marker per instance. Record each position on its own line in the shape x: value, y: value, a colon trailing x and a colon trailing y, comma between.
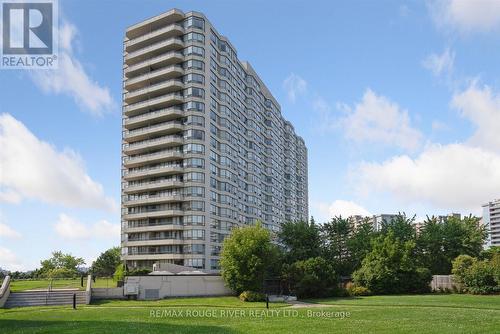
x: 430, y: 300
x: 378, y: 314
x: 23, y: 285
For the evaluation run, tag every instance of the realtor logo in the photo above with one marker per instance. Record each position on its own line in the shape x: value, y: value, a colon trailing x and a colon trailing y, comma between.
x: 29, y: 34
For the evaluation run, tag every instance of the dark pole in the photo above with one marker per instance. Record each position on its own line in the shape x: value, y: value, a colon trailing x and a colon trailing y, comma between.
x: 267, y: 301
x: 81, y: 281
x: 74, y: 301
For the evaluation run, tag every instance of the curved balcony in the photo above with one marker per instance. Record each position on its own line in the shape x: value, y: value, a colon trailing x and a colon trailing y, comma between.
x: 166, y: 73
x: 154, y: 200
x: 155, y: 171
x: 163, y: 128
x: 158, y: 115
x: 153, y: 185
x: 154, y: 23
x: 173, y: 30
x: 153, y: 50
x: 163, y: 101
x: 155, y: 143
x: 159, y: 213
x: 167, y: 155
x: 144, y: 67
x: 152, y: 91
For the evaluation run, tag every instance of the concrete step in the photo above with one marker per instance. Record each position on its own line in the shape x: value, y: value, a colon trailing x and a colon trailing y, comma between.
x: 42, y: 298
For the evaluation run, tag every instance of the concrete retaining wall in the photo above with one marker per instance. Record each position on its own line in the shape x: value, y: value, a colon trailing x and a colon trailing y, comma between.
x: 107, y: 293
x: 158, y: 287
x: 4, y: 291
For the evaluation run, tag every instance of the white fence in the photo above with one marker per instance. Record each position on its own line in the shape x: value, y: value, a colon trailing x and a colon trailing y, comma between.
x: 442, y: 282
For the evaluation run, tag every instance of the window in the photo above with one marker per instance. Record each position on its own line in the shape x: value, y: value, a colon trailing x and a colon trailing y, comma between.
x: 194, y: 22
x: 194, y: 177
x: 194, y: 191
x: 194, y: 106
x: 194, y: 64
x: 194, y: 50
x: 194, y: 77
x: 194, y: 134
x: 195, y: 37
x: 194, y: 91
x: 194, y: 148
x: 194, y: 120
x: 195, y: 263
x: 194, y: 234
x: 194, y: 163
x: 194, y: 220
x: 194, y: 206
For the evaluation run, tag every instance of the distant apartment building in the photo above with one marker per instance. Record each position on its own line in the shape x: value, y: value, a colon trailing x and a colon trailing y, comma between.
x: 205, y: 147
x: 491, y: 220
x: 375, y: 220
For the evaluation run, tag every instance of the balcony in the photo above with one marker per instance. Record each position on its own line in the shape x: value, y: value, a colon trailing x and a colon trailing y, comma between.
x: 154, y: 200
x: 155, y: 143
x: 152, y: 91
x: 155, y: 63
x: 153, y: 185
x: 166, y: 155
x: 163, y: 128
x: 159, y: 213
x: 163, y: 101
x: 173, y: 30
x: 154, y: 171
x: 154, y: 23
x: 157, y: 115
x: 162, y: 74
x: 153, y: 50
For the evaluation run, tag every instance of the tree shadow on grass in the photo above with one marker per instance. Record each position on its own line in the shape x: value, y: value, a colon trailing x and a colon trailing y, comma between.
x: 104, y: 327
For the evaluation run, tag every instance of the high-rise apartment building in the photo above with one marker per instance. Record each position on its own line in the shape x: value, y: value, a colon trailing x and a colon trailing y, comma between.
x: 491, y: 220
x: 205, y: 147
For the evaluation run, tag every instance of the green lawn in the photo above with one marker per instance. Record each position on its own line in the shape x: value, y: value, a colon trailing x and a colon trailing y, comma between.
x: 379, y: 314
x: 22, y: 285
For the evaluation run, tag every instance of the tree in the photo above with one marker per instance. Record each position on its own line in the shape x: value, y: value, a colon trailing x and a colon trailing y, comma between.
x: 61, y: 265
x: 300, y: 240
x: 335, y: 235
x: 106, y: 263
x: 401, y: 226
x: 391, y: 268
x: 314, y: 277
x: 359, y: 244
x: 247, y: 254
x: 439, y: 243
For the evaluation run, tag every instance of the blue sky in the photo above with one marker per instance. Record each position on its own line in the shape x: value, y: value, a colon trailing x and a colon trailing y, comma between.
x: 398, y: 102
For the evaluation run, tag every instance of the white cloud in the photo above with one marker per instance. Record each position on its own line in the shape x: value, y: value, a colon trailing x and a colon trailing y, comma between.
x: 34, y: 169
x: 482, y: 107
x: 71, y: 78
x: 70, y: 228
x: 9, y: 260
x: 8, y: 232
x: 376, y: 119
x: 440, y: 64
x: 339, y: 208
x: 466, y: 15
x: 294, y: 86
x: 454, y: 176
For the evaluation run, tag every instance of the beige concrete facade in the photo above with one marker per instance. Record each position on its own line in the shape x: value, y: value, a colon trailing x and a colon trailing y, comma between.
x: 205, y: 147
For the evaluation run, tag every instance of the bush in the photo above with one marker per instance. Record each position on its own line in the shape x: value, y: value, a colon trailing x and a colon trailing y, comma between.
x: 252, y: 296
x: 354, y: 290
x: 478, y: 277
x: 313, y: 277
x: 139, y: 272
